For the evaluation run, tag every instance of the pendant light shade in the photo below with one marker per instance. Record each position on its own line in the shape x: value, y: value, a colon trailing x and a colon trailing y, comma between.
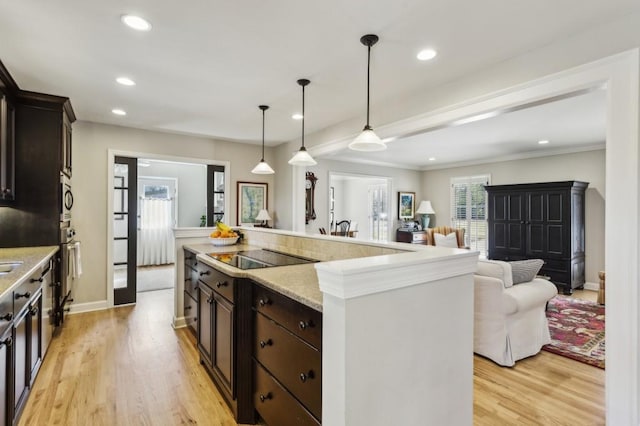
x: 262, y: 168
x: 302, y: 157
x: 368, y: 140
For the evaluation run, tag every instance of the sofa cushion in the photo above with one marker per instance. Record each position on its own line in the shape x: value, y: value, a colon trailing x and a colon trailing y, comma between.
x: 496, y: 269
x: 449, y: 240
x: 525, y: 270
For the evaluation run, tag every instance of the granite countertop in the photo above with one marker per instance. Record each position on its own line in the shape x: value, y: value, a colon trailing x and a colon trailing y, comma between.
x: 31, y: 257
x: 299, y: 282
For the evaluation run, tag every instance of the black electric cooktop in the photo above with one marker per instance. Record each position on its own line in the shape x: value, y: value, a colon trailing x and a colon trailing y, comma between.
x: 254, y: 259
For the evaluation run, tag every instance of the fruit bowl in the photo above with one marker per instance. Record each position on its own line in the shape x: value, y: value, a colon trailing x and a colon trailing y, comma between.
x: 223, y: 241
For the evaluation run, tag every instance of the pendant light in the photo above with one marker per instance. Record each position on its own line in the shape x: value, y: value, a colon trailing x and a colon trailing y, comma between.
x: 263, y: 168
x: 368, y: 140
x: 302, y: 157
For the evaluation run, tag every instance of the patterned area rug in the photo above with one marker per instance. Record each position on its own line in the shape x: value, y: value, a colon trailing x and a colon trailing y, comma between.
x: 577, y: 330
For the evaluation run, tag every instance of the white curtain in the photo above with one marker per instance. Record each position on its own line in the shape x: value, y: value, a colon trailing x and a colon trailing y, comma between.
x: 155, y: 237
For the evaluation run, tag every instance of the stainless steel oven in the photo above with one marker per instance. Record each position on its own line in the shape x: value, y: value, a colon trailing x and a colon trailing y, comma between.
x: 66, y: 199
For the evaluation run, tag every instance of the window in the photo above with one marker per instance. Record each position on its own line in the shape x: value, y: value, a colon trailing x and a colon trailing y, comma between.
x: 469, y: 210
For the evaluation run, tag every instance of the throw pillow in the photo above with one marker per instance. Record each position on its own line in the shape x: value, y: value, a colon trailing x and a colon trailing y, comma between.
x: 525, y: 270
x: 448, y: 240
x: 496, y: 269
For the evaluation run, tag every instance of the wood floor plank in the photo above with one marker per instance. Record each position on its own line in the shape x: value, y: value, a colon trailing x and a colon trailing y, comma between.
x: 128, y: 366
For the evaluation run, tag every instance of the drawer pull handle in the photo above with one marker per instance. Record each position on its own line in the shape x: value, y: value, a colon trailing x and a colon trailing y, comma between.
x: 7, y: 317
x: 263, y: 398
x: 7, y: 342
x: 205, y: 273
x: 309, y: 375
x: 187, y: 308
x: 302, y: 325
x: 264, y: 302
x: 222, y: 284
x: 263, y: 344
x: 36, y: 280
x: 26, y: 294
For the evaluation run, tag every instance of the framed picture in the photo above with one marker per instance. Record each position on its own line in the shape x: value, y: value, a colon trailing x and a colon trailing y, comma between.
x: 252, y: 197
x: 406, y: 205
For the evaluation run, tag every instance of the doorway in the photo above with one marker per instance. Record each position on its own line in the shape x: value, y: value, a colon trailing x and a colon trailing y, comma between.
x: 364, y: 201
x: 157, y: 207
x: 124, y: 214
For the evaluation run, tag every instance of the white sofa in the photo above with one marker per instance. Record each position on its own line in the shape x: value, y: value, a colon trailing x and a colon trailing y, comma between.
x: 509, y: 320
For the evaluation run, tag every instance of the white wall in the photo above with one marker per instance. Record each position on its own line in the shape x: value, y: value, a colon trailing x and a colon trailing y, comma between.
x: 91, y: 143
x: 585, y: 166
x: 192, y: 188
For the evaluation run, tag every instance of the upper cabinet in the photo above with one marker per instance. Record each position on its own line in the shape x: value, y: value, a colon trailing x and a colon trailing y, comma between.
x: 7, y: 149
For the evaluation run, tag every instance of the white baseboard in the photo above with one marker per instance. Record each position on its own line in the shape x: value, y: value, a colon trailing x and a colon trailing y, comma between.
x: 592, y: 286
x: 179, y: 322
x: 77, y: 308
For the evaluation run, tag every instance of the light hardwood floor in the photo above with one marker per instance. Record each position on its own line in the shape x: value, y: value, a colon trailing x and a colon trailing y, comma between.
x: 127, y: 366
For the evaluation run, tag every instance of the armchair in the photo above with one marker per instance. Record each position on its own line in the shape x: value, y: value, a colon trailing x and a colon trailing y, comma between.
x: 445, y: 230
x: 509, y: 320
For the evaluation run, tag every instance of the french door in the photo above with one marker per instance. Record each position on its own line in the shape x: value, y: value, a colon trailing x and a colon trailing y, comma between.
x: 125, y: 220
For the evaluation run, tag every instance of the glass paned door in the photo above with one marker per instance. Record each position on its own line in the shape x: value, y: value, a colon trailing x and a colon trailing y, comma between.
x: 215, y: 195
x: 125, y: 177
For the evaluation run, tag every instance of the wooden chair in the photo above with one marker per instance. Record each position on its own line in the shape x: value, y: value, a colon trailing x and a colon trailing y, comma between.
x: 323, y: 231
x: 342, y: 228
x: 445, y: 230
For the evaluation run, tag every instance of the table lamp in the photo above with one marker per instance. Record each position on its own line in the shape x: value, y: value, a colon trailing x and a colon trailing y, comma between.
x: 425, y: 210
x: 263, y: 215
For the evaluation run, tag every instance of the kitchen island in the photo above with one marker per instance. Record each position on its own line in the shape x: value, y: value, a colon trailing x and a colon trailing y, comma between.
x: 396, y: 325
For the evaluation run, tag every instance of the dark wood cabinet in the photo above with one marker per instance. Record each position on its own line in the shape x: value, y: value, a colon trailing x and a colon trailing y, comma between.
x: 34, y: 319
x: 540, y: 221
x: 190, y: 290
x: 7, y: 148
x: 6, y: 357
x: 223, y: 337
x: 287, y: 357
x: 20, y: 362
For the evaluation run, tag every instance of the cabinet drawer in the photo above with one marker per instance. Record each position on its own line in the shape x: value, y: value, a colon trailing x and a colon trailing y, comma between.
x: 190, y: 259
x: 27, y: 290
x: 221, y: 283
x: 190, y: 311
x: 276, y: 406
x: 191, y: 282
x: 296, y: 364
x: 301, y: 320
x: 6, y: 312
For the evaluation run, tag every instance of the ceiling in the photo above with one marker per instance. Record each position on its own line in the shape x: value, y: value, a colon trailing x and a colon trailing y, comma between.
x: 205, y: 68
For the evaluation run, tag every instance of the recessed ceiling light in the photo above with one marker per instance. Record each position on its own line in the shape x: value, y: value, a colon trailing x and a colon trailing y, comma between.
x: 426, y: 54
x: 432, y: 158
x: 297, y: 116
x: 136, y: 22
x: 125, y: 81
x: 118, y: 111
x: 543, y: 142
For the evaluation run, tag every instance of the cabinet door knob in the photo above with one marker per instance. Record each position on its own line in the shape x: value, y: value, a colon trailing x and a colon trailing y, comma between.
x: 269, y: 342
x: 7, y: 317
x: 222, y: 284
x: 305, y: 376
x: 302, y: 325
x: 263, y: 398
x: 264, y: 302
x: 7, y: 342
x: 210, y: 300
x: 205, y: 273
x: 26, y: 294
x: 34, y: 311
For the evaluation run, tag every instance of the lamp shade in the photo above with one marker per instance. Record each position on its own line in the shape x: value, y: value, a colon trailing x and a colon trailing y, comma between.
x: 367, y: 141
x: 425, y: 208
x: 263, y: 215
x: 302, y: 158
x: 262, y: 168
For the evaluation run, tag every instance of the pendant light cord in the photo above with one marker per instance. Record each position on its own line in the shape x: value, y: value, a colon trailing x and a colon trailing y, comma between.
x: 262, y: 135
x: 368, y: 68
x: 303, y: 116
